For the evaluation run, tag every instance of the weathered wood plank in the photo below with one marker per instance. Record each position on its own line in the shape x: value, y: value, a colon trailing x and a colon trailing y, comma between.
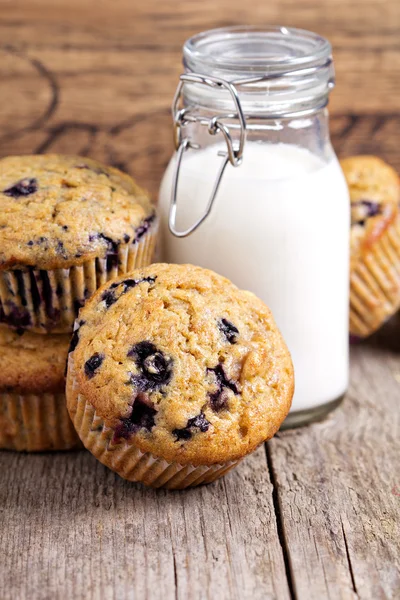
x: 89, y: 78
x: 72, y: 529
x: 338, y: 485
x: 364, y: 35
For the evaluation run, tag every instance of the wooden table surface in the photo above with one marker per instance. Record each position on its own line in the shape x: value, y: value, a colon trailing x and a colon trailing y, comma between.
x: 313, y: 515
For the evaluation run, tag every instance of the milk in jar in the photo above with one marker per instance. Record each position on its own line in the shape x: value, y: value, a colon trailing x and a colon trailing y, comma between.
x: 255, y: 100
x: 274, y: 231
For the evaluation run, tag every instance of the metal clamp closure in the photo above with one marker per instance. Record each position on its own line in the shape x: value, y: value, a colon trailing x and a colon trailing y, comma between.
x: 183, y: 116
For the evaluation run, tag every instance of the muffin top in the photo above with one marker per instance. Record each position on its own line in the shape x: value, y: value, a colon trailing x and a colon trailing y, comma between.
x: 182, y: 364
x: 58, y: 211
x: 374, y: 194
x: 31, y: 363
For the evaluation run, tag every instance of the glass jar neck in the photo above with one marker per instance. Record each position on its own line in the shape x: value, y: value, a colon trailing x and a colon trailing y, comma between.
x: 310, y: 132
x: 276, y: 72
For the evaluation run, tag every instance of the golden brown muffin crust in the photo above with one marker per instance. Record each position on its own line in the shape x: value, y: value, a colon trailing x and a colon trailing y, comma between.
x: 182, y: 364
x: 32, y: 363
x: 374, y: 194
x: 370, y: 176
x: 58, y: 211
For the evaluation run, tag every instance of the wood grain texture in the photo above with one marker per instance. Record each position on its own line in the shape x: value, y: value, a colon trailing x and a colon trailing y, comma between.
x: 72, y: 529
x: 338, y: 485
x: 316, y: 518
x: 97, y: 78
x: 136, y: 46
x: 374, y: 134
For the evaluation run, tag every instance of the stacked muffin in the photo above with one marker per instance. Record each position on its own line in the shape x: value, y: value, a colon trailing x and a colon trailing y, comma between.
x: 174, y: 374
x: 67, y: 225
x: 375, y: 242
x: 33, y: 414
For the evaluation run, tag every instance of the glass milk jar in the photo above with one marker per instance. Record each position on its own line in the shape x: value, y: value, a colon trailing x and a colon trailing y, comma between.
x: 255, y: 192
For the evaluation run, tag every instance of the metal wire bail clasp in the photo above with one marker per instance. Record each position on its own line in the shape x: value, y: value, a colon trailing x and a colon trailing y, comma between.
x: 183, y: 116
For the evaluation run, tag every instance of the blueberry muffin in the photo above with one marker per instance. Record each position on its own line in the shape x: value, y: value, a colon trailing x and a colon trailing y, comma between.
x: 174, y: 375
x: 33, y: 412
x: 375, y: 242
x: 67, y: 225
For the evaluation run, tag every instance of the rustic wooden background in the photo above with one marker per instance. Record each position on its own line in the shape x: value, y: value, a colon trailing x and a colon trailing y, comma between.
x: 96, y: 77
x: 316, y: 516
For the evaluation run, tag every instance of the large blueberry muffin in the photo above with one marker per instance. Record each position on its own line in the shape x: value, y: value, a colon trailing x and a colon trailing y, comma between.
x: 375, y: 242
x: 174, y: 375
x: 33, y: 412
x: 67, y: 225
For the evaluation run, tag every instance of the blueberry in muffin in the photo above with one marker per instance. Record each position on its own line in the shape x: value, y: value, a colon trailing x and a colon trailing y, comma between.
x: 374, y: 242
x: 67, y: 225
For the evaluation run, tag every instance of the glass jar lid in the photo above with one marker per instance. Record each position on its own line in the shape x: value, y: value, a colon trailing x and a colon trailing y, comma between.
x: 274, y: 69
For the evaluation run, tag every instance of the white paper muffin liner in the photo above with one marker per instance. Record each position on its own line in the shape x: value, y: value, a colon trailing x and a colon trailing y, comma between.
x: 129, y: 462
x: 47, y: 301
x: 36, y: 423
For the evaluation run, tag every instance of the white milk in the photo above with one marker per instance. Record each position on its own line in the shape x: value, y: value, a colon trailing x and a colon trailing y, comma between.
x: 279, y: 227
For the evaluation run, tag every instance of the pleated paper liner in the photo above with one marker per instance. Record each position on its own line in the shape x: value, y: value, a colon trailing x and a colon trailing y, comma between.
x: 49, y: 301
x: 375, y: 284
x: 132, y: 464
x: 36, y: 423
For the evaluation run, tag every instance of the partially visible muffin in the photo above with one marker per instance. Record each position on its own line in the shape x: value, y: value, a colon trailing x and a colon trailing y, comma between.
x: 33, y: 412
x: 67, y: 225
x: 375, y: 242
x: 175, y: 375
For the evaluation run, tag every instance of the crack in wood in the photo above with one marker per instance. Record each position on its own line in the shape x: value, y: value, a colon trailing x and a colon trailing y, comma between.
x: 58, y: 130
x: 380, y: 121
x: 353, y: 581
x: 137, y: 119
x: 52, y: 105
x: 280, y: 524
x: 348, y: 128
x: 175, y: 574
